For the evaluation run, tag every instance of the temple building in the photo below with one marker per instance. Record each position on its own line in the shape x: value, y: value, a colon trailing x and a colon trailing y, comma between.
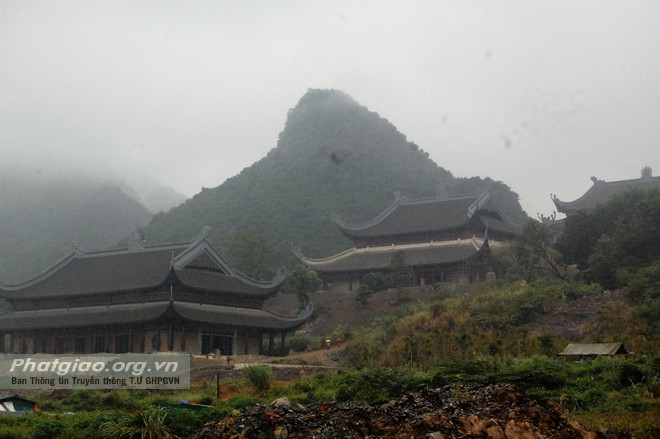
x: 444, y: 240
x: 601, y: 191
x: 179, y: 297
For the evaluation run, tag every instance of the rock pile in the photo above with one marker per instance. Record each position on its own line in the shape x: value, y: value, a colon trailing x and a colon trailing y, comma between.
x: 498, y: 411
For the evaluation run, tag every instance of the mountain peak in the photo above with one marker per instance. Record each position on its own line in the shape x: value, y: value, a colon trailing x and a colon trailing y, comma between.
x: 334, y: 156
x: 324, y: 97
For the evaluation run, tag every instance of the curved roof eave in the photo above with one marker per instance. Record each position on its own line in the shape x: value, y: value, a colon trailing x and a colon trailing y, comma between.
x: 424, y: 215
x: 83, y: 316
x: 379, y: 258
x: 245, y: 317
x: 347, y: 228
x: 609, y: 187
x: 40, y: 277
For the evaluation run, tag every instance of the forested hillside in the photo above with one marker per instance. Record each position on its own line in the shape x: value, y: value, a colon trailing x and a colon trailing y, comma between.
x: 41, y: 218
x: 334, y: 157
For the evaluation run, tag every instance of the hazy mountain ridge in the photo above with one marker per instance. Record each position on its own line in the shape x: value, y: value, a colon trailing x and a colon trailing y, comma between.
x: 334, y: 157
x: 42, y: 219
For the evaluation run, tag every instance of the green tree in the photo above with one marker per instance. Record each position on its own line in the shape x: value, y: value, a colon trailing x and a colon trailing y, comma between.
x: 616, y: 237
x: 251, y: 250
x: 534, y: 253
x: 401, y: 273
x: 303, y: 281
x: 372, y: 283
x: 647, y: 172
x: 581, y: 235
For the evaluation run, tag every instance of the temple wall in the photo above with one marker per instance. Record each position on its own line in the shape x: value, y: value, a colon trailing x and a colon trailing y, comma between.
x: 241, y: 341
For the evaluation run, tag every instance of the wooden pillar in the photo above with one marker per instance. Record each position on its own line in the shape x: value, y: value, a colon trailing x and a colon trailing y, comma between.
x: 130, y: 339
x: 271, y: 341
x: 199, y: 339
x: 234, y: 343
x: 170, y: 335
x: 183, y: 337
x: 143, y: 338
x: 283, y: 336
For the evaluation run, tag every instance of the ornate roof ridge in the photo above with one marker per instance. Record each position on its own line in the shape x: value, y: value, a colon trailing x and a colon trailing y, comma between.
x: 127, y: 250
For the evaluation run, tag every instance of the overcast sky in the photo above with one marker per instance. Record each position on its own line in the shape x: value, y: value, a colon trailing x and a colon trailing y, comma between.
x: 538, y: 94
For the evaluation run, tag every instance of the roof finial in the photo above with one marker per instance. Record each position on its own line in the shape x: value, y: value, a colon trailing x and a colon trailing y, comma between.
x: 77, y: 249
x: 204, y: 234
x: 547, y: 219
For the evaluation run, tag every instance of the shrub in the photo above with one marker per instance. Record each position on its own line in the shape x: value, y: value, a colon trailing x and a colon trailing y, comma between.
x: 85, y: 399
x: 259, y: 377
x: 373, y: 386
x: 535, y: 372
x: 13, y: 432
x: 301, y: 343
x: 149, y: 423
x: 184, y: 422
x: 47, y: 429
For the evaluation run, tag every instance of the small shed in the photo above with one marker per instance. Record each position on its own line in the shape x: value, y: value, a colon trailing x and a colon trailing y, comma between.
x: 594, y: 349
x: 16, y: 404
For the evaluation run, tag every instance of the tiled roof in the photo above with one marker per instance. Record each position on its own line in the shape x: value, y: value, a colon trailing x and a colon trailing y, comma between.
x: 602, y: 191
x: 212, y: 281
x: 501, y: 226
x: 99, y: 272
x: 379, y: 258
x: 83, y: 316
x: 125, y: 269
x: 424, y: 215
x: 135, y: 313
x: 226, y: 315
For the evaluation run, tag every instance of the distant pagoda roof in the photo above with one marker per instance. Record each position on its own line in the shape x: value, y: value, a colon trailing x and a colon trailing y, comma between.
x: 194, y: 264
x: 406, y: 216
x: 380, y: 258
x: 135, y: 313
x: 602, y: 191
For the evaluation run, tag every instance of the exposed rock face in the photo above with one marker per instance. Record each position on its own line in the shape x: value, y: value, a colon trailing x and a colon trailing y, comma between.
x: 500, y: 411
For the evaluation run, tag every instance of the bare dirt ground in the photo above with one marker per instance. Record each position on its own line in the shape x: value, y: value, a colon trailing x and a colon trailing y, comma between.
x: 572, y: 320
x: 338, y: 307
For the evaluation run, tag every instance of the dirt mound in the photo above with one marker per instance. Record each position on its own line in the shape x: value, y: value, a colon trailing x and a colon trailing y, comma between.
x: 500, y: 411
